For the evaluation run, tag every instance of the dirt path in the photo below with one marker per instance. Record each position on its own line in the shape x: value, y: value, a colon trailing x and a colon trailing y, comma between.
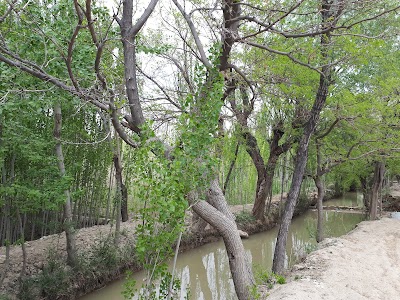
x: 365, y: 264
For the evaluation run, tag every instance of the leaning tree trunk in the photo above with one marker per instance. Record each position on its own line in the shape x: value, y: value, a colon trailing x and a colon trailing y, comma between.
x: 302, y: 152
x: 376, y: 186
x: 68, y: 223
x: 216, y: 212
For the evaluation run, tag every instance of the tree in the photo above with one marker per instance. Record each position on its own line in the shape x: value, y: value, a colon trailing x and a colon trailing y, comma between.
x: 103, y: 96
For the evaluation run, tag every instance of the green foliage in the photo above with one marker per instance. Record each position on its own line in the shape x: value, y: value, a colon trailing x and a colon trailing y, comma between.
x: 105, y: 255
x: 310, y: 248
x: 280, y: 279
x: 4, y: 297
x: 254, y: 293
x: 163, y: 184
x: 144, y: 44
x: 53, y: 282
x: 54, y: 279
x: 264, y: 277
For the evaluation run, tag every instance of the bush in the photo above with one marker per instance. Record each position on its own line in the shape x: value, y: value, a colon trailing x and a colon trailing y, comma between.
x: 52, y: 283
x: 269, y: 279
x: 4, y: 297
x: 55, y: 278
x: 104, y: 256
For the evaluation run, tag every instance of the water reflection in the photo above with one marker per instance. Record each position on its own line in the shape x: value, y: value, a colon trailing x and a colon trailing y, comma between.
x: 205, y: 270
x: 348, y: 199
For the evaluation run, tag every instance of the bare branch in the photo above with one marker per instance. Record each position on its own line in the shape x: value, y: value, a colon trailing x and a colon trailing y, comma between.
x: 143, y: 18
x: 71, y: 43
x: 195, y: 35
x: 161, y: 89
x: 183, y: 71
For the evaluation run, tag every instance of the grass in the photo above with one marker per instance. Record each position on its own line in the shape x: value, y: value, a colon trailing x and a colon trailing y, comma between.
x: 245, y: 217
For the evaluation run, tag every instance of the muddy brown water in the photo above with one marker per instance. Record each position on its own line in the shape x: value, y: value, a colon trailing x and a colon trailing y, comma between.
x: 204, y: 271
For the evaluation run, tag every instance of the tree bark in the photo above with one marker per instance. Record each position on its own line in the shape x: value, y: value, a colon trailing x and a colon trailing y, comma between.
x: 222, y: 220
x: 376, y: 186
x: 366, y: 189
x: 68, y: 223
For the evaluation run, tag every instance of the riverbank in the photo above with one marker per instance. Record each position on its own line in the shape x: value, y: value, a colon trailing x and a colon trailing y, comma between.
x: 363, y: 264
x: 99, y: 261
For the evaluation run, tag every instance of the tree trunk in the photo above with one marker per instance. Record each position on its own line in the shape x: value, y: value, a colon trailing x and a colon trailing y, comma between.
x: 68, y: 222
x: 23, y: 246
x: 118, y: 192
x: 122, y: 191
x: 258, y: 161
x: 366, y: 189
x: 321, y: 194
x: 228, y: 176
x: 7, y: 230
x: 280, y: 248
x: 124, y: 203
x: 302, y: 152
x: 264, y: 188
x: 222, y: 220
x: 265, y: 173
x: 376, y: 186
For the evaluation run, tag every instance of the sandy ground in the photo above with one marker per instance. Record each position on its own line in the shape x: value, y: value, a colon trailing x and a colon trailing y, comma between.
x: 365, y: 264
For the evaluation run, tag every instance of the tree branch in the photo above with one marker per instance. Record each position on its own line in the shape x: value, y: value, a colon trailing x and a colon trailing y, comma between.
x: 133, y: 31
x: 195, y: 35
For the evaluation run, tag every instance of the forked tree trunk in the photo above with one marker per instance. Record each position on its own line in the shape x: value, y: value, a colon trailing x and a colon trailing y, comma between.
x: 68, y: 222
x: 222, y: 220
x: 264, y: 188
x: 241, y: 271
x: 376, y: 186
x: 265, y: 172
